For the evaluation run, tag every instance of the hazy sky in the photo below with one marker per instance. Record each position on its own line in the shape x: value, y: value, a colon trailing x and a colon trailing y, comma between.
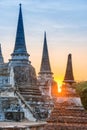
x: 65, y: 22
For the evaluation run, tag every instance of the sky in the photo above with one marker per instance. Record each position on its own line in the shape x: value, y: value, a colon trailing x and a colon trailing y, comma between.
x: 65, y: 22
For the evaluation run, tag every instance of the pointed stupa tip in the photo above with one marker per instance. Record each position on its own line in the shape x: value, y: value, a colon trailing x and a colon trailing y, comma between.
x: 45, y: 63
x: 20, y: 4
x: 20, y: 7
x: 69, y: 78
x: 44, y: 36
x: 70, y: 55
x: 44, y: 33
x: 20, y: 44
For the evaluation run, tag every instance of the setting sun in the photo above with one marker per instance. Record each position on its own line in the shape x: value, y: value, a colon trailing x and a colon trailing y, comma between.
x: 59, y: 82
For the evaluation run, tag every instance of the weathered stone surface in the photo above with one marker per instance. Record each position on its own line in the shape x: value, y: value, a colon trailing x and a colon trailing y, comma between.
x: 4, y: 75
x: 4, y: 70
x: 8, y: 106
x: 7, y: 95
x: 26, y: 85
x: 25, y: 75
x: 14, y: 115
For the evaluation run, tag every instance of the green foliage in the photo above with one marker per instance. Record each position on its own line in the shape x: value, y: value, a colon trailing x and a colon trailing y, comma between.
x: 81, y: 88
x: 84, y: 98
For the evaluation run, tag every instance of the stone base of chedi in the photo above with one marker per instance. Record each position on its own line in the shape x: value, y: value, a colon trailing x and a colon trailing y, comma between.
x: 14, y: 107
x: 10, y: 109
x: 28, y: 91
x: 68, y: 113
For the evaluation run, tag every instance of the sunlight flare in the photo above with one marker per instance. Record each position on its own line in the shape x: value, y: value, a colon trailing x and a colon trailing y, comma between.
x: 59, y: 86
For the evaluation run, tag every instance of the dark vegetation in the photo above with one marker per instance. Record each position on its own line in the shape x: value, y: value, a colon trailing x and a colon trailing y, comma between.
x: 81, y: 89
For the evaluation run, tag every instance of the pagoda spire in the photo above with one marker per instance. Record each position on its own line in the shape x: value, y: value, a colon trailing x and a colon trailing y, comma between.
x: 1, y: 57
x: 45, y: 64
x: 69, y: 78
x: 20, y: 45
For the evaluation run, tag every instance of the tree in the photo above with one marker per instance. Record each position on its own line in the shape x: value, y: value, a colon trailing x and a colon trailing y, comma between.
x: 81, y: 88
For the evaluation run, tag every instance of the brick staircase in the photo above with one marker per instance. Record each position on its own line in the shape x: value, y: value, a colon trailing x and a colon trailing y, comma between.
x: 30, y: 93
x: 38, y: 103
x: 67, y: 117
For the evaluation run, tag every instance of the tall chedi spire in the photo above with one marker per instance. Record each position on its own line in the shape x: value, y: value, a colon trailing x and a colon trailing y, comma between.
x: 1, y: 57
x: 69, y: 78
x: 21, y: 65
x: 20, y: 51
x: 45, y: 78
x: 45, y: 64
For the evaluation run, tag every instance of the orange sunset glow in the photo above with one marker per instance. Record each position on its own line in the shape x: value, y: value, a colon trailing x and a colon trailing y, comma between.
x: 66, y: 34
